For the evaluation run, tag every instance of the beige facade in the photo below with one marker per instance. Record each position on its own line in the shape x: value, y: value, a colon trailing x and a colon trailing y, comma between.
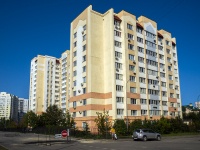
x: 122, y: 65
x: 44, y: 83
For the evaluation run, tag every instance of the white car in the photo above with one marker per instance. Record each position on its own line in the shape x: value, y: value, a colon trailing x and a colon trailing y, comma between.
x: 146, y: 134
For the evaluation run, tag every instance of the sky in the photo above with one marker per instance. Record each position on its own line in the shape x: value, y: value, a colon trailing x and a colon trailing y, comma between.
x: 32, y: 27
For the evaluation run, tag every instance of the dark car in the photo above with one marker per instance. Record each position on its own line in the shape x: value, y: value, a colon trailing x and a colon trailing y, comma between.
x: 146, y: 134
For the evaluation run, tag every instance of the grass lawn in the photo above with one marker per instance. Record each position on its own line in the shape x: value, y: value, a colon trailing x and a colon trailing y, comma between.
x: 2, y: 148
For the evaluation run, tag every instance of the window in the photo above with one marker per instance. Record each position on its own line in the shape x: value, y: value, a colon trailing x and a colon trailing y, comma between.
x: 120, y: 99
x: 130, y: 36
x: 141, y: 59
x: 84, y: 79
x: 74, y: 64
x: 74, y: 104
x: 162, y: 65
x: 119, y: 76
x: 84, y: 68
x: 159, y: 39
x: 74, y: 73
x: 131, y: 57
x: 153, y: 92
x: 130, y: 46
x: 139, y: 39
x: 152, y: 63
x: 129, y: 26
x: 160, y: 47
x: 116, y: 23
x: 132, y: 78
x: 118, y: 54
x: 139, y: 30
x: 170, y: 77
x: 161, y: 56
x: 163, y: 84
x: 171, y: 95
x: 133, y: 112
x: 143, y: 112
x: 133, y: 90
x: 174, y: 54
x: 168, y: 51
x: 133, y: 101
x: 169, y: 68
x: 84, y: 58
x: 168, y: 59
x: 164, y: 103
x: 74, y: 54
x: 74, y: 93
x: 84, y: 90
x: 175, y: 63
x: 84, y: 101
x: 177, y: 95
x: 84, y: 27
x: 151, y: 53
x: 141, y: 69
x: 167, y: 43
x: 140, y: 49
x: 154, y: 113
x: 152, y: 72
x: 151, y: 35
x: 171, y: 86
x: 165, y: 112
x: 141, y: 80
x: 118, y: 65
x: 132, y: 68
x: 119, y: 88
x: 164, y: 93
x: 142, y: 90
x: 176, y: 79
x: 151, y: 44
x: 120, y: 111
x: 162, y: 74
x: 75, y: 35
x: 84, y: 47
x: 84, y: 113
x: 153, y: 82
x: 117, y: 33
x: 74, y: 83
x: 154, y: 102
x: 74, y: 114
x: 84, y: 37
x: 118, y: 44
x: 75, y: 44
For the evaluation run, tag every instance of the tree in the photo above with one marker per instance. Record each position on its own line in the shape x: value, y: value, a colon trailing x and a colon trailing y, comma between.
x: 30, y: 119
x: 120, y: 127
x: 53, y: 116
x: 102, y: 122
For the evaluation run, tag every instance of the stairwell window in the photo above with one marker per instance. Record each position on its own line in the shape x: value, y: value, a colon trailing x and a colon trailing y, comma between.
x: 130, y: 46
x: 131, y: 57
x: 133, y: 90
x: 129, y: 26
x: 130, y: 36
x: 133, y: 101
x: 119, y: 88
x: 132, y: 78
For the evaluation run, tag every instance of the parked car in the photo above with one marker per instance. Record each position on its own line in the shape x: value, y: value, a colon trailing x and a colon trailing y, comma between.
x: 146, y: 134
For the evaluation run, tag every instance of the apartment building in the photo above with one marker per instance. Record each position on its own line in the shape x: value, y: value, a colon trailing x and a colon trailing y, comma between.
x: 44, y: 83
x: 22, y: 108
x: 5, y: 105
x: 65, y: 77
x: 123, y: 65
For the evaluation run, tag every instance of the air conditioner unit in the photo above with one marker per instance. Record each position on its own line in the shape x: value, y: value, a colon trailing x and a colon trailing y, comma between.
x: 134, y: 62
x: 72, y: 87
x: 171, y: 64
x: 161, y: 43
x: 74, y: 107
x: 117, y: 70
x: 82, y: 32
x: 80, y: 112
x: 129, y: 40
x: 154, y: 41
x: 134, y: 73
x: 116, y: 58
x: 157, y: 77
x: 80, y: 101
x: 163, y: 69
x: 81, y: 84
x: 174, y: 108
x: 154, y: 86
x: 79, y: 91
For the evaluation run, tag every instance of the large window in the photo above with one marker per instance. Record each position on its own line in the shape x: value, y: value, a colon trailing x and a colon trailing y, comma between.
x: 120, y: 99
x: 119, y: 88
x: 143, y: 101
x: 133, y: 101
x: 118, y: 44
x: 133, y: 112
x: 133, y: 90
x: 129, y: 26
x: 132, y: 78
x: 141, y: 59
x: 143, y: 112
x: 120, y: 111
x: 119, y: 76
x: 140, y: 49
x: 117, y: 33
x: 140, y: 39
x: 130, y: 36
x: 130, y: 46
x: 132, y: 68
x: 141, y: 69
x: 141, y: 80
x: 131, y: 57
x: 118, y: 65
x: 118, y: 54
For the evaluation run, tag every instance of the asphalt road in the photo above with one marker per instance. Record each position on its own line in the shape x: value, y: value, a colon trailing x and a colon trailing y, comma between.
x: 30, y: 141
